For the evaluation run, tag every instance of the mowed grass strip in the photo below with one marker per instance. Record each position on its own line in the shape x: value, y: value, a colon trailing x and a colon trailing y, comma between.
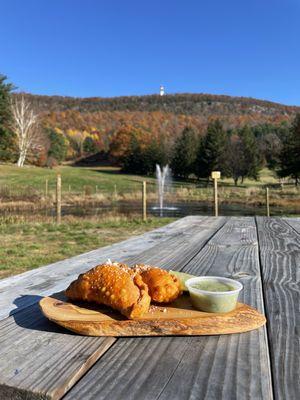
x: 75, y: 178
x: 25, y: 246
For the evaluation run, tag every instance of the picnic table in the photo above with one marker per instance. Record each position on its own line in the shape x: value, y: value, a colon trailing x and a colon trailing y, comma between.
x: 40, y: 360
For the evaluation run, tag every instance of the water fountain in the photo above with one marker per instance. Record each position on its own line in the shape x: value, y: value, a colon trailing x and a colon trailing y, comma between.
x: 163, y: 178
x: 164, y: 181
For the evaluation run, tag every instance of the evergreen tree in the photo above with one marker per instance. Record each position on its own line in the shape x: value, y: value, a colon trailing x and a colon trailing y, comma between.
x: 235, y: 157
x: 7, y: 142
x: 269, y: 139
x: 290, y: 153
x: 211, y: 151
x: 154, y: 153
x: 184, y: 153
x: 132, y: 160
x: 243, y: 159
x: 251, y: 161
x: 89, y: 146
x: 58, y: 146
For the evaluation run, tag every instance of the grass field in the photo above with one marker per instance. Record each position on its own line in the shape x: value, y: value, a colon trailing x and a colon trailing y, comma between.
x: 104, y: 177
x: 76, y: 177
x: 30, y: 245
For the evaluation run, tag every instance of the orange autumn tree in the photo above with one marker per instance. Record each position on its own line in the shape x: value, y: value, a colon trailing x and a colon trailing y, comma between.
x: 138, y: 151
x: 120, y: 141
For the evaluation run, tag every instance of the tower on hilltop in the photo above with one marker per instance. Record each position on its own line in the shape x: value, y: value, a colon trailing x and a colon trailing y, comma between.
x: 161, y: 90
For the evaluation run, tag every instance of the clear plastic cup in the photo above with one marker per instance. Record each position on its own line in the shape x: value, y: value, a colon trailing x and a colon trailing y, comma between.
x: 214, y: 301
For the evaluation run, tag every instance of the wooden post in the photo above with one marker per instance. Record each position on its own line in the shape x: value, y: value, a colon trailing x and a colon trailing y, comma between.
x: 96, y: 189
x: 267, y: 202
x: 216, y: 197
x: 46, y: 188
x: 144, y: 201
x: 69, y: 188
x: 115, y: 192
x: 58, y: 199
x: 216, y: 175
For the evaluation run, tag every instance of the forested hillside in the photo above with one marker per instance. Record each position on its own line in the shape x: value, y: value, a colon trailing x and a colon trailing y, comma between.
x: 91, y: 124
x: 167, y: 115
x: 189, y: 104
x: 192, y: 132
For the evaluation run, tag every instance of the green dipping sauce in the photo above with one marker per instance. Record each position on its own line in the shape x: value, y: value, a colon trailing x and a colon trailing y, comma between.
x: 212, y: 286
x: 213, y: 294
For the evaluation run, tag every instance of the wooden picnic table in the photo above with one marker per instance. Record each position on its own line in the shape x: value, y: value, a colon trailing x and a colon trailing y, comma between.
x: 40, y: 360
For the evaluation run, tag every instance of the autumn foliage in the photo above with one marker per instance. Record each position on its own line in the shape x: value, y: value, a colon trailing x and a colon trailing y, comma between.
x: 148, y: 125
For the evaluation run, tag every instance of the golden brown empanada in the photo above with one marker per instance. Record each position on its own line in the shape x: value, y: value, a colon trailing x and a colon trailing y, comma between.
x: 113, y: 285
x: 162, y: 286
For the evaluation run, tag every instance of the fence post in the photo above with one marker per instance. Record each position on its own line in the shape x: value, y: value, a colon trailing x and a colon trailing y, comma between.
x: 69, y: 188
x: 216, y: 175
x: 267, y: 202
x: 58, y: 199
x: 46, y: 188
x: 96, y: 189
x: 144, y: 201
x: 216, y: 197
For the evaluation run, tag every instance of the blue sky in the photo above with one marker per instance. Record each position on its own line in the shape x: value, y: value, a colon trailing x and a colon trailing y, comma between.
x: 126, y: 47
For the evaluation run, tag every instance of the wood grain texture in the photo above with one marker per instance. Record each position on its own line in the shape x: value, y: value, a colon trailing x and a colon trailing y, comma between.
x: 213, y: 367
x: 42, y: 360
x: 55, y: 277
x: 178, y: 318
x: 294, y: 223
x: 280, y: 261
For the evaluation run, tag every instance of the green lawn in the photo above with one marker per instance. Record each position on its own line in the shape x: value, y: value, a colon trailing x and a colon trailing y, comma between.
x: 266, y: 177
x: 105, y: 178
x: 30, y: 245
x: 78, y: 177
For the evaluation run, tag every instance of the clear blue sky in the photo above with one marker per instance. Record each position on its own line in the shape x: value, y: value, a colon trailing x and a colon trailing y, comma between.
x: 126, y: 47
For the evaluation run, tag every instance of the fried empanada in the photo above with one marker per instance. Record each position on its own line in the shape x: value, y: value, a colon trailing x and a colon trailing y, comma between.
x: 162, y: 286
x: 113, y: 285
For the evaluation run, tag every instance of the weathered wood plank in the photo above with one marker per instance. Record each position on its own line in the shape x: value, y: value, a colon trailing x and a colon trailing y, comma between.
x: 39, y: 361
x: 280, y: 260
x: 55, y: 277
x: 294, y: 223
x: 238, y: 365
x: 43, y: 360
x: 217, y: 367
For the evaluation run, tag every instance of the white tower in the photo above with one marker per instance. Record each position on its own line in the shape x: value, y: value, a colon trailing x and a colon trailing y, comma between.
x: 161, y: 90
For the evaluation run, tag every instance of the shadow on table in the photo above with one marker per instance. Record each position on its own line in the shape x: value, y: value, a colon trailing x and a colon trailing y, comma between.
x: 28, y: 315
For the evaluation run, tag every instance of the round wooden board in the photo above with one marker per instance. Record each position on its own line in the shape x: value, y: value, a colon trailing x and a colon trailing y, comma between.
x: 179, y: 318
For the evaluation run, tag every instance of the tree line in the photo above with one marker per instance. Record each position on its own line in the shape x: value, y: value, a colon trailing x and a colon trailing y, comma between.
x: 180, y: 104
x: 238, y: 153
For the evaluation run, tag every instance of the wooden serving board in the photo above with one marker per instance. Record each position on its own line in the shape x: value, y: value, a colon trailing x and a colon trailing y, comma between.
x: 179, y: 318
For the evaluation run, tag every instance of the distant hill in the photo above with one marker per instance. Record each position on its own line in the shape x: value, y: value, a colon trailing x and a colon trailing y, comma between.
x: 187, y: 104
x: 101, y: 119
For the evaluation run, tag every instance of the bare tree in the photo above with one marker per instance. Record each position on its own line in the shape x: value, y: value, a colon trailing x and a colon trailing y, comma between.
x: 24, y: 124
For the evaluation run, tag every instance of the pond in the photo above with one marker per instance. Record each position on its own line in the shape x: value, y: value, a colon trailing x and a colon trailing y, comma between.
x: 180, y: 209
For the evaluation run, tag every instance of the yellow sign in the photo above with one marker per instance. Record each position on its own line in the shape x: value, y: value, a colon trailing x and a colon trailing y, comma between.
x: 216, y: 174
